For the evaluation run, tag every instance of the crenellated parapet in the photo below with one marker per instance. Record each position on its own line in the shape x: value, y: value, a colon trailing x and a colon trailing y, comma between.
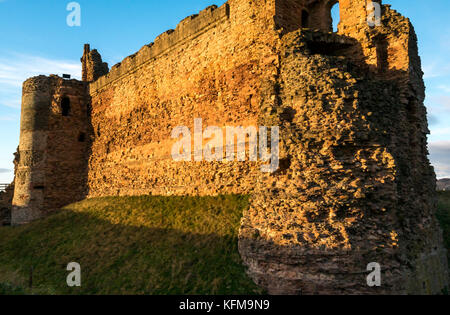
x: 186, y: 30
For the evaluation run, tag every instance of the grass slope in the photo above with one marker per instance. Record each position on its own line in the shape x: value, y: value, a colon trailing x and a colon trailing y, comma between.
x: 130, y: 245
x: 443, y: 215
x: 138, y: 245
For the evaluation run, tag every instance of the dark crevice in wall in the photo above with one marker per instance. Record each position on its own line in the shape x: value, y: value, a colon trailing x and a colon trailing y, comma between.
x: 328, y: 49
x: 65, y: 106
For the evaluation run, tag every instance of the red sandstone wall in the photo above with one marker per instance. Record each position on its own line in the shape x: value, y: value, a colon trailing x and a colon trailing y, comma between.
x: 211, y: 70
x: 51, y: 169
x: 360, y: 188
x: 67, y: 146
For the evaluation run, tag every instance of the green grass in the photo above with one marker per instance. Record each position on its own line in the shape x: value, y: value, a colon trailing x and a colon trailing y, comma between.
x: 130, y: 245
x: 443, y: 215
x: 137, y: 245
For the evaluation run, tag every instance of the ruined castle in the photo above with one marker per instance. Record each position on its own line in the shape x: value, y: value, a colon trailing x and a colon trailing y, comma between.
x: 354, y: 185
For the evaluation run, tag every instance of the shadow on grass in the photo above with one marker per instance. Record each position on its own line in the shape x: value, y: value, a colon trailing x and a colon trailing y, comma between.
x: 162, y: 249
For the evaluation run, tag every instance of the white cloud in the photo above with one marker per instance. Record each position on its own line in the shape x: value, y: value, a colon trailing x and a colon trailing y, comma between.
x: 16, y: 68
x: 442, y: 170
x: 445, y: 88
x: 438, y: 107
x: 442, y: 145
x: 5, y: 170
x: 6, y: 178
x: 435, y: 70
x: 9, y: 117
x: 435, y: 132
x: 440, y: 158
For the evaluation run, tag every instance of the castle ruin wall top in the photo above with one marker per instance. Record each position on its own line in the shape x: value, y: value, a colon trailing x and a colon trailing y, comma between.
x: 187, y: 29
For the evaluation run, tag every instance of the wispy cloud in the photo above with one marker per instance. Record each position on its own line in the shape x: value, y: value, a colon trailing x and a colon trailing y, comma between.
x: 9, y: 117
x: 442, y: 170
x: 4, y: 170
x: 444, y: 88
x: 16, y: 68
x: 435, y: 69
x: 440, y: 157
x: 442, y: 101
x: 438, y: 107
x: 436, y: 131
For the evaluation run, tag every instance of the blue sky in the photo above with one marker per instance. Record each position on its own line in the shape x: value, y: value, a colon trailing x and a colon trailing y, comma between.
x: 35, y: 39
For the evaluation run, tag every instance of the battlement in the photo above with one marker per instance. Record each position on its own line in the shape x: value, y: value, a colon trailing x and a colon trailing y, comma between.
x: 286, y: 15
x: 186, y: 30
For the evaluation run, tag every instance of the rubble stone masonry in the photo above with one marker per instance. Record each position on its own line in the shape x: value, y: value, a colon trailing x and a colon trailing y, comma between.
x: 354, y: 185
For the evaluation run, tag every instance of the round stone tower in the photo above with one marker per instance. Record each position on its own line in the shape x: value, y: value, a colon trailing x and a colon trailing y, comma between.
x: 359, y: 190
x: 53, y: 147
x: 28, y: 199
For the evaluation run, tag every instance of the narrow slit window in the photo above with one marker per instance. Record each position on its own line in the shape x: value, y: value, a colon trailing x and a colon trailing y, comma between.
x: 82, y: 137
x: 65, y: 106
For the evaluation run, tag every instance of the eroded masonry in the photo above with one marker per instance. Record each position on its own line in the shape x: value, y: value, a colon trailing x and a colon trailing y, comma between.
x: 354, y: 186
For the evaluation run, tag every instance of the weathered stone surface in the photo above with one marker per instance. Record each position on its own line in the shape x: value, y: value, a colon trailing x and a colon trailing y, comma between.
x: 359, y: 188
x: 6, y: 196
x: 354, y: 187
x: 51, y: 170
x: 92, y: 65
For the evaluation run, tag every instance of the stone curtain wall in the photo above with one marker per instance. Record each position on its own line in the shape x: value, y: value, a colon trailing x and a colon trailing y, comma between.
x: 353, y: 147
x: 211, y: 70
